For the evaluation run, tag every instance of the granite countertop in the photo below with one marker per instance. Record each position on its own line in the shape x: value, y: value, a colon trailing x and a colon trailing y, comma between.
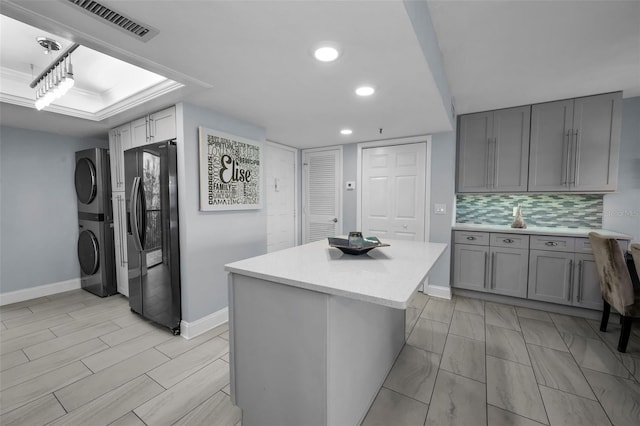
x: 539, y: 230
x: 385, y: 276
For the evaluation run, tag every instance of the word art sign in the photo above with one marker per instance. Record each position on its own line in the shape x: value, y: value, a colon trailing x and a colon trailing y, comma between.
x: 229, y: 172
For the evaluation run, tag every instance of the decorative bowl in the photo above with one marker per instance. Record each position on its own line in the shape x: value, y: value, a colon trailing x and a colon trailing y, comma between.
x: 368, y: 243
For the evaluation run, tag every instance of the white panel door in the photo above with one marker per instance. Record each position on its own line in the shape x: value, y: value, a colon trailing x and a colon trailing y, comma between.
x: 322, y: 193
x: 281, y: 197
x: 393, y: 191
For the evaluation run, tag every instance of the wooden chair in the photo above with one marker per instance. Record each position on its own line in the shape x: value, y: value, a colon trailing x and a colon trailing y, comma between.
x: 615, y: 285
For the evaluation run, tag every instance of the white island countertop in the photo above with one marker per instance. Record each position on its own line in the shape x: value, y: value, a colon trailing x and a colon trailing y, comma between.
x: 385, y: 276
x: 539, y: 230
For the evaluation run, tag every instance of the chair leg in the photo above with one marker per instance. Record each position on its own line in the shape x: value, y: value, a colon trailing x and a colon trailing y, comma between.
x: 624, y: 334
x: 605, y: 316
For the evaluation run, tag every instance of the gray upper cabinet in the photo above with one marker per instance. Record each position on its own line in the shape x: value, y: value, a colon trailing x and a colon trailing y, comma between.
x: 493, y: 151
x: 575, y: 144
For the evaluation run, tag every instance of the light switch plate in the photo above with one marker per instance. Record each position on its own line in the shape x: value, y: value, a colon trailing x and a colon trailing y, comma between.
x: 440, y: 209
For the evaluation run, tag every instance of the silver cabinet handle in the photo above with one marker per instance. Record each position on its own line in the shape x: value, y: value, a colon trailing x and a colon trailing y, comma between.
x: 486, y: 172
x: 508, y: 241
x: 486, y: 267
x: 579, y: 280
x: 151, y: 129
x: 576, y: 153
x: 494, y: 181
x: 566, y: 159
x: 570, y: 280
x: 493, y: 271
x: 551, y: 243
x: 471, y: 238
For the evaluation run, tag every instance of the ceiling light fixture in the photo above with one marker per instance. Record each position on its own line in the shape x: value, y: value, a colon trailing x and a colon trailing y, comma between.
x: 326, y: 54
x: 346, y: 131
x: 48, y: 44
x: 365, y: 91
x: 55, y: 80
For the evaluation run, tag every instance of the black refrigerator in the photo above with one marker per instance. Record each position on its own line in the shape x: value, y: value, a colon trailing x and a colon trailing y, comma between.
x: 153, y: 246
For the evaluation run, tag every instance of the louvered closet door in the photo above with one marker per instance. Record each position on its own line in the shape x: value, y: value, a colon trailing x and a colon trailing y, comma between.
x: 322, y: 195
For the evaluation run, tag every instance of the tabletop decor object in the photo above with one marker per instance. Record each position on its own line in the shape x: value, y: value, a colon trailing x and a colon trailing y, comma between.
x: 355, y: 244
x: 518, y: 221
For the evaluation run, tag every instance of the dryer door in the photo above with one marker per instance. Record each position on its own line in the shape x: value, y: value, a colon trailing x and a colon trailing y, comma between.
x: 88, y: 252
x: 86, y: 180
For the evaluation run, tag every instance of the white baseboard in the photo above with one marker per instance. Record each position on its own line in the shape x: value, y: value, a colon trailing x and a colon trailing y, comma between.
x: 195, y: 328
x: 40, y: 291
x: 443, y: 292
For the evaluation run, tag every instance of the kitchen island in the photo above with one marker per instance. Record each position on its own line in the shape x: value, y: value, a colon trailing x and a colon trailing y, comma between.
x: 314, y: 332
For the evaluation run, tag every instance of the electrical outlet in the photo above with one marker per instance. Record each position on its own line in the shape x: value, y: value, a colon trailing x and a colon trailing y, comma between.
x: 515, y: 211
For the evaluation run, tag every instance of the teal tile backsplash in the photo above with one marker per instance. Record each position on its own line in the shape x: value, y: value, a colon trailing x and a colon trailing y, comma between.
x: 555, y: 210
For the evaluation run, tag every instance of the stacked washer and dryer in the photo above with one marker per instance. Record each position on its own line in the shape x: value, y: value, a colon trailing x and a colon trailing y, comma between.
x: 96, y: 251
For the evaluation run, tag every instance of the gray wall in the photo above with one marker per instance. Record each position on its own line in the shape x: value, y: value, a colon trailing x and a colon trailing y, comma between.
x: 621, y: 210
x: 443, y: 169
x: 349, y: 198
x: 209, y: 240
x: 38, y: 213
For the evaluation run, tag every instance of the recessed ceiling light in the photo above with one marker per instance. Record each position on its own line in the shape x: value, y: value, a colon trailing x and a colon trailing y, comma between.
x: 346, y: 131
x: 326, y: 54
x: 365, y: 91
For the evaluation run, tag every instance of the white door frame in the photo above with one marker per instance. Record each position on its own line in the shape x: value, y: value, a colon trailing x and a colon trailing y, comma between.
x: 390, y: 142
x: 340, y: 192
x: 296, y: 173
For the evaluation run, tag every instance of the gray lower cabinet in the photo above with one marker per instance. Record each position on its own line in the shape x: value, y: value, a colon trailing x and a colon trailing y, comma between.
x: 493, y: 263
x: 551, y: 269
x: 470, y: 267
x: 586, y: 283
x: 508, y: 271
x: 566, y: 278
x: 550, y: 276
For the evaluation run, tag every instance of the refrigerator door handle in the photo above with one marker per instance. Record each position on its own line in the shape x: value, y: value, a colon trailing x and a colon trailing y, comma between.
x: 133, y: 217
x: 143, y: 215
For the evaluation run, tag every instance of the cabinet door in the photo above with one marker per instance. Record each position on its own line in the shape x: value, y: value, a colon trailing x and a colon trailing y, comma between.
x: 509, y: 170
x: 508, y: 271
x: 596, y: 142
x: 586, y: 286
x: 549, y: 154
x: 470, y: 266
x: 119, y: 141
x: 115, y: 159
x: 139, y: 132
x: 550, y: 276
x: 473, y: 152
x: 163, y: 125
x: 120, y: 240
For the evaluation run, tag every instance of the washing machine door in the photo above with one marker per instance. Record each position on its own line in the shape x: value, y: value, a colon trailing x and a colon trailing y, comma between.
x: 88, y: 252
x: 86, y: 180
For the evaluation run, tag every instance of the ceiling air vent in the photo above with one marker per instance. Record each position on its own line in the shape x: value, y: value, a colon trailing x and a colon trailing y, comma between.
x: 99, y: 11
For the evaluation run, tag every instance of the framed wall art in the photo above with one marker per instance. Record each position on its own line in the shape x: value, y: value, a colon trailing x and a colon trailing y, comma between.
x: 230, y: 172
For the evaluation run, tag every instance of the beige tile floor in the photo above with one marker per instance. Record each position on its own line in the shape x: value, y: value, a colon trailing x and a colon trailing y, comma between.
x: 76, y: 359
x: 469, y: 362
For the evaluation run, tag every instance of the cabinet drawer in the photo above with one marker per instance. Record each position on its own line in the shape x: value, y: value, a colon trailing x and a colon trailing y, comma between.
x: 545, y: 242
x: 583, y: 245
x: 510, y: 240
x: 470, y: 237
